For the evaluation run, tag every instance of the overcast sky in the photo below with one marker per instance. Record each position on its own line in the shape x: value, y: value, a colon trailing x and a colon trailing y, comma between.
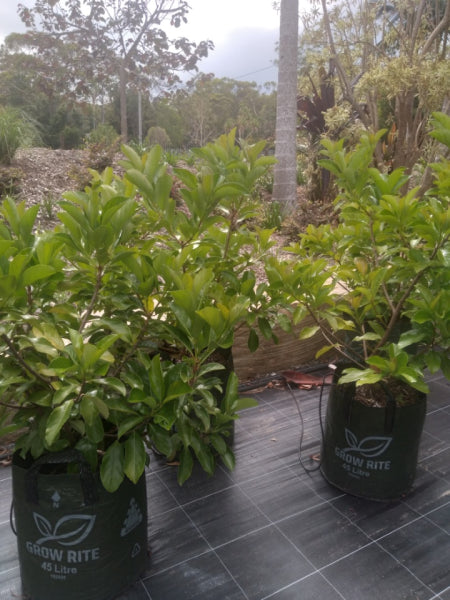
x: 244, y: 32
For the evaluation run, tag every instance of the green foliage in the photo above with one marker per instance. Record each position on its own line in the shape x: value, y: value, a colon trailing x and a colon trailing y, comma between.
x: 272, y: 217
x: 102, y: 144
x: 113, y: 43
x: 157, y: 136
x: 104, y: 135
x: 388, y: 66
x: 378, y: 284
x: 16, y: 130
x: 208, y: 106
x: 115, y: 325
x: 71, y: 137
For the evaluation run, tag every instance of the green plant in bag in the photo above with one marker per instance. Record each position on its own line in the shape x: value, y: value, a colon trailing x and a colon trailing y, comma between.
x: 377, y: 285
x: 113, y: 325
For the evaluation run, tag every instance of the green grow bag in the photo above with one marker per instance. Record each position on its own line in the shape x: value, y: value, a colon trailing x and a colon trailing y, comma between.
x: 76, y: 541
x: 371, y: 452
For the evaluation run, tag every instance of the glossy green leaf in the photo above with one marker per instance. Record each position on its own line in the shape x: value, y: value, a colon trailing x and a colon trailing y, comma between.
x: 186, y: 466
x: 135, y: 457
x: 128, y: 425
x: 112, y: 467
x: 37, y: 273
x: 57, y: 419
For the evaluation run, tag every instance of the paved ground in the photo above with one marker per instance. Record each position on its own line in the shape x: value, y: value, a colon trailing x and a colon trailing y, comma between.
x: 272, y: 530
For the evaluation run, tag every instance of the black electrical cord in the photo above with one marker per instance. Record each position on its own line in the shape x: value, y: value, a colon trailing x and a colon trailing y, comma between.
x: 302, y: 425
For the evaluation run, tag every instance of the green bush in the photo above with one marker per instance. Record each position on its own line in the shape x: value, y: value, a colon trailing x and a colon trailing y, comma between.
x: 116, y: 326
x: 16, y: 130
x: 157, y: 136
x: 103, y: 134
x: 71, y: 137
x: 102, y: 143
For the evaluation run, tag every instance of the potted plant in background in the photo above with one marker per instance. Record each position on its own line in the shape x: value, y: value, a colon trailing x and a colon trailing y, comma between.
x: 110, y: 325
x: 205, y: 256
x: 377, y: 286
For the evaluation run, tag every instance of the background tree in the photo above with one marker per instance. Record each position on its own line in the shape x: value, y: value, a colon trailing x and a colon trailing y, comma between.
x: 157, y: 135
x: 112, y: 40
x: 390, y: 69
x: 285, y: 171
x: 28, y: 83
x: 208, y: 106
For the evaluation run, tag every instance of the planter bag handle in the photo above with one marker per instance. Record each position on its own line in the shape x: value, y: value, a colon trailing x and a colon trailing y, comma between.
x: 389, y: 413
x: 87, y: 479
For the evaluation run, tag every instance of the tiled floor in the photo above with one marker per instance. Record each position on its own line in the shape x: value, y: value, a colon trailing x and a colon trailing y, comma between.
x: 272, y: 530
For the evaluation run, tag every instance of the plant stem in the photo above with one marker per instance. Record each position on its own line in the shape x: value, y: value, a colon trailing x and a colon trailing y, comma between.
x: 397, y: 309
x: 90, y: 308
x: 331, y: 338
x: 25, y: 366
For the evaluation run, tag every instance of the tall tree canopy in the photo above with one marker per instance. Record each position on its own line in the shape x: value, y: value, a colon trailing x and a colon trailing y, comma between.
x: 100, y: 42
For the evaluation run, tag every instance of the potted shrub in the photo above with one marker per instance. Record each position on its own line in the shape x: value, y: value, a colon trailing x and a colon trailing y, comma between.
x: 110, y: 325
x: 377, y: 286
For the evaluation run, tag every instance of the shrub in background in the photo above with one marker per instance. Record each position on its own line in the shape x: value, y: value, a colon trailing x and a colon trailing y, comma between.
x: 16, y: 130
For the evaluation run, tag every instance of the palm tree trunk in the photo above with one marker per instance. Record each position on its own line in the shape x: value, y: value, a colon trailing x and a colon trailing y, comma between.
x: 285, y: 171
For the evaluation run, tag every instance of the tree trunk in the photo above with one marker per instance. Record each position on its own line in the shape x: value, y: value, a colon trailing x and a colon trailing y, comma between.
x: 285, y: 171
x: 123, y: 103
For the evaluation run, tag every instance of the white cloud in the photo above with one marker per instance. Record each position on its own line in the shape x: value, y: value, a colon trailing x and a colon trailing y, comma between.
x: 9, y: 19
x: 246, y: 53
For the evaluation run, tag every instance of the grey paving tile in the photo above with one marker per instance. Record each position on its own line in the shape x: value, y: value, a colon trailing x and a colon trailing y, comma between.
x: 257, y: 458
x: 439, y: 396
x: 424, y: 549
x: 5, y: 494
x: 438, y: 425
x: 9, y: 563
x: 430, y: 445
x: 445, y: 594
x: 10, y: 586
x: 198, y: 486
x: 313, y: 587
x: 173, y: 539
x: 316, y: 481
x: 226, y: 515
x: 441, y: 517
x: 202, y: 578
x: 429, y: 492
x: 323, y: 535
x: 281, y: 494
x: 438, y: 464
x: 371, y: 574
x: 376, y: 519
x: 263, y: 421
x: 134, y: 592
x: 160, y: 499
x: 272, y: 562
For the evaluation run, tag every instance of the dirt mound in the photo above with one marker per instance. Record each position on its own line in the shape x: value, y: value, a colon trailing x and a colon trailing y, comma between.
x: 46, y: 175
x: 43, y: 175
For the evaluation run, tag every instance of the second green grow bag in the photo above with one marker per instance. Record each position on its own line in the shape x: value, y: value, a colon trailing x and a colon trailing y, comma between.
x: 371, y: 452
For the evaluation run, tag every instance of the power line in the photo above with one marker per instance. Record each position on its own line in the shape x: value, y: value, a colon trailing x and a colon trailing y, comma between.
x: 254, y: 72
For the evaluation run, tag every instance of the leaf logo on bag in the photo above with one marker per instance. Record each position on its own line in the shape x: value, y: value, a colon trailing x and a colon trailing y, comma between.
x: 369, y: 447
x: 68, y: 531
